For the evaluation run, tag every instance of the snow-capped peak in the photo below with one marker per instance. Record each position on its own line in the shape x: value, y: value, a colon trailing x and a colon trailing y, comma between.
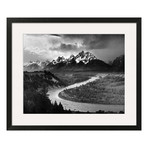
x: 71, y: 58
x: 85, y: 57
x: 53, y: 62
x: 37, y: 62
x: 60, y: 59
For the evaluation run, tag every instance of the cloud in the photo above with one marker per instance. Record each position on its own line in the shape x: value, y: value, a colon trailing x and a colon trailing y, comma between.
x: 39, y: 35
x: 32, y: 56
x: 57, y: 35
x: 36, y: 50
x: 94, y: 41
x: 50, y: 46
x: 66, y: 47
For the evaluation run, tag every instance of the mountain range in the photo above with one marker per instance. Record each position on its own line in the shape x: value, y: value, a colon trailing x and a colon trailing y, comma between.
x: 82, y: 61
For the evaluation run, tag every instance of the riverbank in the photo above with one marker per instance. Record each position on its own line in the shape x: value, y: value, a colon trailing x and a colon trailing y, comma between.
x: 107, y: 90
x: 84, y: 107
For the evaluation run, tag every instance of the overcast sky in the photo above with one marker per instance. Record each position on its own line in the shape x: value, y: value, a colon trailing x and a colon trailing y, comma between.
x: 49, y: 46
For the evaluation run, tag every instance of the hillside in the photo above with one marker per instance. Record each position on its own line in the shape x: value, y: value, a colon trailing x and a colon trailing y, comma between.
x: 40, y: 79
x: 118, y: 64
x: 36, y: 85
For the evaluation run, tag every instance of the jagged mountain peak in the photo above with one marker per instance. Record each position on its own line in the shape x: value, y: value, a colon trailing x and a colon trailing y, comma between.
x: 81, y: 53
x: 85, y: 57
x: 60, y: 59
x: 83, y: 60
x: 72, y: 56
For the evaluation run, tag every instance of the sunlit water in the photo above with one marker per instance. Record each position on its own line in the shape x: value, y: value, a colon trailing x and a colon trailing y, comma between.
x: 83, y: 107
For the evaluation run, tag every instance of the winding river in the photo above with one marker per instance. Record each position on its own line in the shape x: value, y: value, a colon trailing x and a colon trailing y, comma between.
x: 78, y: 106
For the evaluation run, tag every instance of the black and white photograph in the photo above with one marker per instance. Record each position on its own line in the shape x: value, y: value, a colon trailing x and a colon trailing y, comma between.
x: 73, y: 73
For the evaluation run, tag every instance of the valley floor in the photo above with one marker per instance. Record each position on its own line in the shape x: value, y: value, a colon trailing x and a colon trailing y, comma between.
x: 72, y: 77
x: 107, y: 90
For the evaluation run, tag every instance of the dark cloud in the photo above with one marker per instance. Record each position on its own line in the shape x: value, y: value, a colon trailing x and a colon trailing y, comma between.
x: 67, y: 47
x: 76, y: 42
x: 88, y: 41
x: 76, y: 36
x: 57, y: 35
x: 103, y: 46
x: 96, y: 41
x: 103, y: 41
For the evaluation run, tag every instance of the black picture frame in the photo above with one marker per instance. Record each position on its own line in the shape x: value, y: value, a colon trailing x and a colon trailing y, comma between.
x: 10, y: 21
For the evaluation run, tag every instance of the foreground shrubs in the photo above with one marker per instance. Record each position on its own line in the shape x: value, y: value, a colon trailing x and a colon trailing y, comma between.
x: 35, y: 102
x: 35, y: 97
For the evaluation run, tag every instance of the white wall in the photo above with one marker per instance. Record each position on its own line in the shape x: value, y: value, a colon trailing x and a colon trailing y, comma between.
x: 76, y: 8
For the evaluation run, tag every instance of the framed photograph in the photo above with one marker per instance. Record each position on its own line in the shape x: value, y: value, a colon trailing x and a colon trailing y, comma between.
x: 73, y: 73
